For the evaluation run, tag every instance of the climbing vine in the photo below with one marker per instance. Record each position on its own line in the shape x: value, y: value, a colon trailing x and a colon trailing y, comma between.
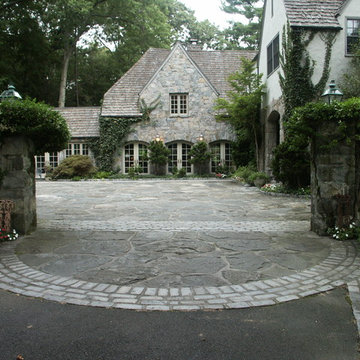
x: 298, y: 67
x: 113, y: 132
x: 291, y: 161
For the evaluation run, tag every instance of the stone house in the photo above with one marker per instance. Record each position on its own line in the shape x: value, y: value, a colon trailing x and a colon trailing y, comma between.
x: 341, y: 17
x: 184, y: 82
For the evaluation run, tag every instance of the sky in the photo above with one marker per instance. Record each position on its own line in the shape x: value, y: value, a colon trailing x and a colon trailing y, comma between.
x: 210, y: 9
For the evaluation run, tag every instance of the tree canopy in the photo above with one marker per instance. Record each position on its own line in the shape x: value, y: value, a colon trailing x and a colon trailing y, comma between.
x: 67, y: 52
x: 243, y: 34
x: 242, y: 106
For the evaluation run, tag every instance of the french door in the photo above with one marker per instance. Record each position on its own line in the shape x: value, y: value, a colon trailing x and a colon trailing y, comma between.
x: 135, y: 154
x: 179, y: 157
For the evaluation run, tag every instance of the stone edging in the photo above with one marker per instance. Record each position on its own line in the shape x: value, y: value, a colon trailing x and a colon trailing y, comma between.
x: 339, y: 268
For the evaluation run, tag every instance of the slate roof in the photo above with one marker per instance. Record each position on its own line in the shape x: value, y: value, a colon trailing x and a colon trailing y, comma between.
x: 122, y: 98
x: 314, y: 13
x: 82, y: 121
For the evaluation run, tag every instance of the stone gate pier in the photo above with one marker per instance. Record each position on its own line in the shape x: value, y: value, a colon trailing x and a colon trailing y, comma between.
x: 18, y: 181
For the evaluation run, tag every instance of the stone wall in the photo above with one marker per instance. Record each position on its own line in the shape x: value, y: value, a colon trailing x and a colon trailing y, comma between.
x: 180, y: 75
x: 17, y: 163
x: 334, y: 183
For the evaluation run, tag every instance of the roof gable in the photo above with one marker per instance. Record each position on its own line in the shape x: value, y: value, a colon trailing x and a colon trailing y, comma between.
x: 179, y: 47
x: 313, y: 13
x: 214, y: 66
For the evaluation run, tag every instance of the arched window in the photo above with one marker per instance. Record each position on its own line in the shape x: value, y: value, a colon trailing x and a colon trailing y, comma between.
x: 220, y: 155
x: 135, y: 154
x: 179, y: 157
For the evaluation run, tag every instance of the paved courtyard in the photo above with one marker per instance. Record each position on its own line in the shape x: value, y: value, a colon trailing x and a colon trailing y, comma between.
x: 172, y: 245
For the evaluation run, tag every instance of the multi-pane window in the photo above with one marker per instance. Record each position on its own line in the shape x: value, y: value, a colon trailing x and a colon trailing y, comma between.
x: 143, y: 158
x: 129, y: 157
x: 40, y: 164
x: 273, y: 53
x: 135, y: 154
x: 53, y: 159
x: 77, y: 149
x: 172, y: 161
x: 220, y: 156
x: 185, y: 158
x: 178, y: 104
x: 179, y: 157
x: 85, y: 149
x: 215, y: 156
x: 352, y: 35
x: 68, y: 151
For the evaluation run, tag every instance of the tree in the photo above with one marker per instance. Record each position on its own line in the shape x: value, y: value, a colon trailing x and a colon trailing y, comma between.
x: 158, y: 156
x: 200, y: 157
x: 241, y: 35
x: 26, y: 55
x: 242, y: 106
x: 350, y: 81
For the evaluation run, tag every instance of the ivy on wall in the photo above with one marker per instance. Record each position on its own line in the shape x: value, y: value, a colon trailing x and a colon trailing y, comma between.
x: 113, y: 131
x: 298, y: 67
x: 291, y: 161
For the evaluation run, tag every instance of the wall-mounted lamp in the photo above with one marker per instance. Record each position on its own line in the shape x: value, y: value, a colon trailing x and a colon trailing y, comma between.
x: 200, y: 138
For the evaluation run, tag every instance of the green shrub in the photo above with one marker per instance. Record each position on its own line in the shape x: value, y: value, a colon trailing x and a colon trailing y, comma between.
x: 135, y: 171
x: 181, y: 173
x: 222, y: 169
x: 244, y: 173
x: 258, y: 176
x: 102, y: 175
x: 46, y: 128
x: 76, y: 165
x: 291, y: 163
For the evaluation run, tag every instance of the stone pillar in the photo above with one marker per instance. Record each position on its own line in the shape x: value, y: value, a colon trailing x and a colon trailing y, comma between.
x: 333, y: 183
x: 18, y: 183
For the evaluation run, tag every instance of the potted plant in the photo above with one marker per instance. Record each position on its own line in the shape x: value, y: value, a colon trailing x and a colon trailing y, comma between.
x: 259, y: 179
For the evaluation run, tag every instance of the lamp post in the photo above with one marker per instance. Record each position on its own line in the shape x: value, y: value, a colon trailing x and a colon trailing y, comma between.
x: 10, y: 94
x: 332, y: 93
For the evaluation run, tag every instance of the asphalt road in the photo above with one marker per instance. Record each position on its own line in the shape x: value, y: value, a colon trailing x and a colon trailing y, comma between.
x: 318, y: 327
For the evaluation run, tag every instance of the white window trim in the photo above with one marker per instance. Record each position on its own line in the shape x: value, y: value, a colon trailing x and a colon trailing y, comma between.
x: 178, y: 95
x: 346, y: 34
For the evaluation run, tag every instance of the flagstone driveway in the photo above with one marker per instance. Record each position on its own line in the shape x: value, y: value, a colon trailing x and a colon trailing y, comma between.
x: 186, y: 244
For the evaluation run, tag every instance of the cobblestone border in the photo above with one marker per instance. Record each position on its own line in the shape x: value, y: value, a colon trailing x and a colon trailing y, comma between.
x: 339, y: 268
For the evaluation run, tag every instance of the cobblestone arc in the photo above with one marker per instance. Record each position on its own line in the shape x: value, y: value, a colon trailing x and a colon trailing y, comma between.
x: 339, y: 268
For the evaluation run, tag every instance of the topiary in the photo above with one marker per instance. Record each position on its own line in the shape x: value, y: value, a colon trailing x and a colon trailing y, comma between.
x: 73, y: 166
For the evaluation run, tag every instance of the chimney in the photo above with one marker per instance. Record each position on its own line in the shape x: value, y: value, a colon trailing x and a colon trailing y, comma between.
x: 194, y: 45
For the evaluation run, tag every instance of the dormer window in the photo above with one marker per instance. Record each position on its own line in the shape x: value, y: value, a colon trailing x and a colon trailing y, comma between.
x: 178, y: 104
x: 352, y: 35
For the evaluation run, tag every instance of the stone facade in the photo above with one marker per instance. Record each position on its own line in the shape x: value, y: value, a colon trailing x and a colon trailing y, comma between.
x: 320, y: 17
x: 179, y: 75
x: 201, y: 76
x: 18, y: 185
x: 335, y: 183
